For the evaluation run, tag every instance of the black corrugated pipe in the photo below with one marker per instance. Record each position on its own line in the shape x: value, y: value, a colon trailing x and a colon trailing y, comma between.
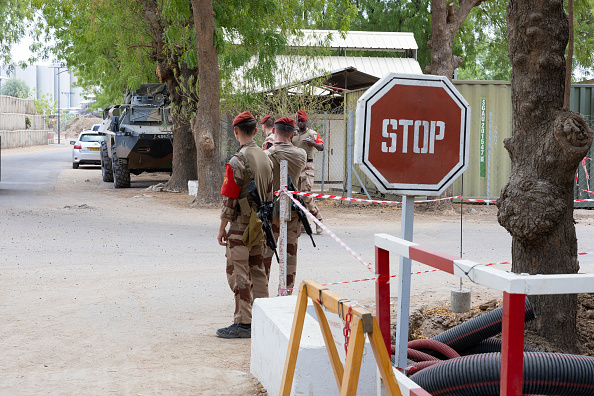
x: 475, y: 330
x: 479, y: 375
x: 489, y: 345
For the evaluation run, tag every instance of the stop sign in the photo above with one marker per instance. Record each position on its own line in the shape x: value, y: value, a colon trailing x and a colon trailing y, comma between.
x: 412, y: 134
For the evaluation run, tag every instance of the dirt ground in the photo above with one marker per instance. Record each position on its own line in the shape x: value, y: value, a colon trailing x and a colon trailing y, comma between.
x: 110, y: 291
x: 74, y: 128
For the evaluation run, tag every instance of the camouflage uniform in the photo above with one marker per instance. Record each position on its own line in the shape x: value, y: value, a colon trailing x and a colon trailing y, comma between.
x: 246, y: 274
x: 296, y: 159
x: 306, y: 178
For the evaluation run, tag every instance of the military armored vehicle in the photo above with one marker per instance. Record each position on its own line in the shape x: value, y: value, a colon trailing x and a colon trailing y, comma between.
x: 139, y: 135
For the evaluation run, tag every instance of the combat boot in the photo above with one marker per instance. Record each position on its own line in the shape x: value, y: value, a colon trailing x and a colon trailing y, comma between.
x: 236, y: 331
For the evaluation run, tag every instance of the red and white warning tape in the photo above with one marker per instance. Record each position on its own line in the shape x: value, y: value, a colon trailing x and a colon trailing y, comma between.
x: 335, y: 197
x: 337, y: 239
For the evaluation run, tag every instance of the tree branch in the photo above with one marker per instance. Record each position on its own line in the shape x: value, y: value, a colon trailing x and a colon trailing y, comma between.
x: 460, y: 15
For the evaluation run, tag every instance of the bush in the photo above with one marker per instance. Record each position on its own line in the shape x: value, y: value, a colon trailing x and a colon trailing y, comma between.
x: 16, y: 87
x: 45, y: 105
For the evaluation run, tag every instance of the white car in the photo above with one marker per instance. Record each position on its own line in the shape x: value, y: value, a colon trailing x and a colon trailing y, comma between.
x: 87, y: 149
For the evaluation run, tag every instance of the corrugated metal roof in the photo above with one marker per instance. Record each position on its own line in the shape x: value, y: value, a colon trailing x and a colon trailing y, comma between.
x: 297, y: 69
x: 354, y: 40
x: 375, y: 66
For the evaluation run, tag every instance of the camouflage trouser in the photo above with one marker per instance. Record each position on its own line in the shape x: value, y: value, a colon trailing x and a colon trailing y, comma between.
x: 246, y: 274
x: 306, y: 181
x: 293, y: 232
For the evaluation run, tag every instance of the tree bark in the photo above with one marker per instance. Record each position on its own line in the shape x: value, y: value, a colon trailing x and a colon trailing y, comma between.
x: 536, y: 205
x: 184, y: 147
x: 205, y: 124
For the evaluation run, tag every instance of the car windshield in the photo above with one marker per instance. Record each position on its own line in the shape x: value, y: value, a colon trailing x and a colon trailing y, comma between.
x: 92, y: 138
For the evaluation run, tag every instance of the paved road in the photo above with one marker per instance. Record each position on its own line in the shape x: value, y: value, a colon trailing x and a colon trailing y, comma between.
x: 26, y: 174
x: 109, y: 291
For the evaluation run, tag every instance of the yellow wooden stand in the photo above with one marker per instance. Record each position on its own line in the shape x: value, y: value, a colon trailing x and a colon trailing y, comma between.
x: 347, y: 378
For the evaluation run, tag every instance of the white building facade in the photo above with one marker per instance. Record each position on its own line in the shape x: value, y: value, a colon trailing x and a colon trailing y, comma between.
x: 56, y: 81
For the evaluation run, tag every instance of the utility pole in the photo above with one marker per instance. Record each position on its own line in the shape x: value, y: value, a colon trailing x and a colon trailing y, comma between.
x: 59, y: 94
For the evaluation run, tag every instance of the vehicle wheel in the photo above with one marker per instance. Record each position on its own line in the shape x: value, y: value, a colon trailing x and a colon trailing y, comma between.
x: 121, y: 173
x: 106, y: 170
x: 75, y: 165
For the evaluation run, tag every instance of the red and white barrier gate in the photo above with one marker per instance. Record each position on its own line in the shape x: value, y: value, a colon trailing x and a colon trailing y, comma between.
x: 514, y: 287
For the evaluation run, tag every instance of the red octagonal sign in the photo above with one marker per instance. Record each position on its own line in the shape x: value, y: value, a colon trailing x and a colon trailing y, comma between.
x: 412, y: 134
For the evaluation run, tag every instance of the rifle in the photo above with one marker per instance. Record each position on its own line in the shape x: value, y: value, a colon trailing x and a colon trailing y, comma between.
x: 265, y: 214
x: 302, y: 216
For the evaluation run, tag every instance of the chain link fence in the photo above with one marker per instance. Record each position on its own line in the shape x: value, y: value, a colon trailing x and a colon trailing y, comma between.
x: 337, y: 130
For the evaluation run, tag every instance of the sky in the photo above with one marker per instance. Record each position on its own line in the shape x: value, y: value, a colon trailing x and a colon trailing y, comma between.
x: 20, y: 52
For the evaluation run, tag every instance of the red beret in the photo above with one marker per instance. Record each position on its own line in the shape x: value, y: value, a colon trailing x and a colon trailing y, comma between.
x: 243, y: 117
x: 265, y: 119
x: 301, y: 115
x: 286, y: 120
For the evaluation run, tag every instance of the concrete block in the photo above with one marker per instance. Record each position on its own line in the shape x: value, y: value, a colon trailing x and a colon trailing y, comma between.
x: 460, y: 300
x: 272, y: 319
x: 193, y: 187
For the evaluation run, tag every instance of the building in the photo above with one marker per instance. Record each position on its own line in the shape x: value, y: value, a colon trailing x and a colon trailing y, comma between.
x: 55, y: 81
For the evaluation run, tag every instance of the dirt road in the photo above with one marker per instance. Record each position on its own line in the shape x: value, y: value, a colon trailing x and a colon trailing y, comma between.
x: 109, y: 291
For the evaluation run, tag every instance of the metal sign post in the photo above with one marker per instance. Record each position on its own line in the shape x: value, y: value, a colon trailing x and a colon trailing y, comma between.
x: 404, y: 270
x: 284, y: 216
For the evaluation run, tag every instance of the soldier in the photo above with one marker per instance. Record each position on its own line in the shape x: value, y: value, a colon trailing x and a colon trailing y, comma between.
x: 246, y: 273
x: 308, y: 139
x: 268, y: 129
x: 296, y: 158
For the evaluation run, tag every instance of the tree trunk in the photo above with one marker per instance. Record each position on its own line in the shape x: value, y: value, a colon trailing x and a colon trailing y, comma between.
x: 446, y: 20
x: 536, y: 205
x: 205, y: 124
x: 184, y: 148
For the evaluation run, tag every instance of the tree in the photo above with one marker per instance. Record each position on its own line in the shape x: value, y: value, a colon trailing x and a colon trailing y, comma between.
x: 398, y: 16
x: 14, y: 18
x: 205, y: 125
x: 170, y: 48
x: 536, y: 206
x: 112, y: 60
x: 446, y: 20
x: 16, y: 87
x: 485, y: 46
x: 484, y: 43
